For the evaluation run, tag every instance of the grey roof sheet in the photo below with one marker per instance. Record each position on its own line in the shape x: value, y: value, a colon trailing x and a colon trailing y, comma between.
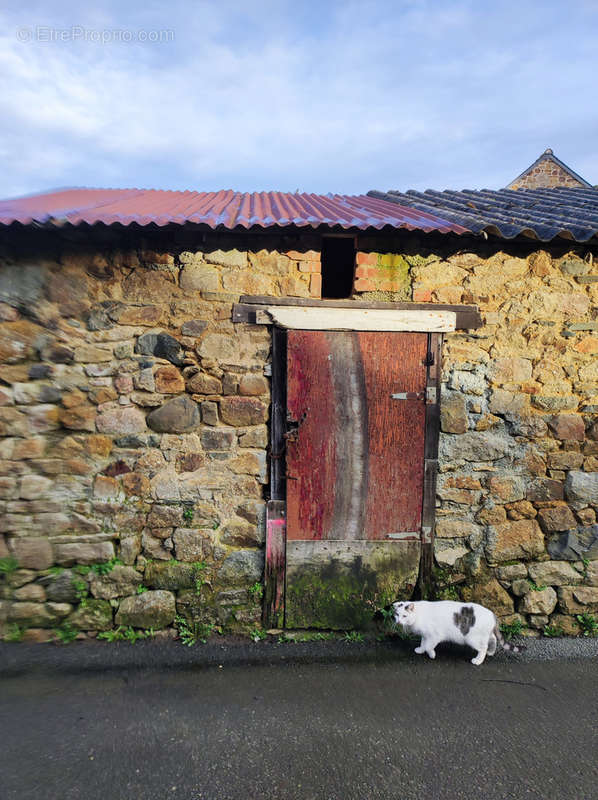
x: 542, y: 214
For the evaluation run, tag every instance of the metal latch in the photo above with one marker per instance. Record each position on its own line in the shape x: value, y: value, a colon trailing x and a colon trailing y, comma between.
x: 407, y: 396
x: 431, y: 395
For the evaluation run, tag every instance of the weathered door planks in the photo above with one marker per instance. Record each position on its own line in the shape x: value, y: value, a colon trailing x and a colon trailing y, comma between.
x: 355, y: 471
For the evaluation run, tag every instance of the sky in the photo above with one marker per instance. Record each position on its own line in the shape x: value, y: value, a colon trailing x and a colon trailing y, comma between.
x: 328, y: 96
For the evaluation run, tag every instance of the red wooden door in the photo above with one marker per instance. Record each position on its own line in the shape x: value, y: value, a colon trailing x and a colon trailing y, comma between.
x: 355, y: 469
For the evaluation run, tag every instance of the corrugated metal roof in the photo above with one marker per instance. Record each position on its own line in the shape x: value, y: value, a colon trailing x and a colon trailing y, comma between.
x: 224, y: 209
x: 538, y: 213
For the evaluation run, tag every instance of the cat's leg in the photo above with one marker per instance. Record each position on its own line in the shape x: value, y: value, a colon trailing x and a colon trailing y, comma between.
x: 431, y: 648
x: 479, y: 659
x: 422, y: 647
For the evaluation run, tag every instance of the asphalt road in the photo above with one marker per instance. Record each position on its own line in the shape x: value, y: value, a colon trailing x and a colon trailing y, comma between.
x: 378, y: 723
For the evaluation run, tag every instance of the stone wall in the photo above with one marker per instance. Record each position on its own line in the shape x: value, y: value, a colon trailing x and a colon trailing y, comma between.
x: 134, y: 421
x: 518, y: 486
x: 134, y: 417
x: 546, y: 175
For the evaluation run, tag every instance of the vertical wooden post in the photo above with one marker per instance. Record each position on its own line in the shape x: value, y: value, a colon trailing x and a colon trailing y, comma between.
x: 274, y: 577
x: 434, y: 374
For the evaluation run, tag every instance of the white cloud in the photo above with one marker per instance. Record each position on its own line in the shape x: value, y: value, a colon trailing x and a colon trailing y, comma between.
x: 342, y: 97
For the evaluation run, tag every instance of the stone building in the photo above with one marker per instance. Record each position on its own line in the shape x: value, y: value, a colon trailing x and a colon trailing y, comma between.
x: 227, y: 408
x: 548, y: 172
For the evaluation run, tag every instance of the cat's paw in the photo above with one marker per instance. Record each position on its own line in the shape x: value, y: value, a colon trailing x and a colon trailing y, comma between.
x: 478, y: 660
x: 419, y: 650
x: 432, y: 653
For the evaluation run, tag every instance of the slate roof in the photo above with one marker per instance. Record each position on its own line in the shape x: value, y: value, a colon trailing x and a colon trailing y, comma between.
x: 542, y: 214
x: 217, y: 210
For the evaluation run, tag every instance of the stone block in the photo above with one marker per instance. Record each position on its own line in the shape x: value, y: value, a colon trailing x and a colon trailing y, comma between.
x: 453, y: 413
x: 253, y: 384
x: 241, y: 533
x: 36, y: 615
x: 543, y: 490
x: 242, y: 567
x: 556, y: 518
x: 243, y: 411
x: 520, y: 587
x: 165, y: 516
x: 69, y: 553
x: 170, y: 575
x: 512, y: 369
x: 490, y: 594
x: 567, y: 427
x: 179, y: 415
x: 189, y: 544
x: 512, y: 572
x: 22, y: 286
x: 60, y: 588
x: 448, y: 552
x: 32, y: 487
x: 130, y: 548
x: 155, y: 609
x: 161, y: 345
x: 554, y: 573
x: 119, y: 421
x: 581, y: 488
x: 578, y: 599
x: 221, y: 347
x: 539, y: 602
x: 95, y: 615
x: 168, y: 380
x: 200, y: 383
x: 568, y: 624
x: 447, y: 528
x: 34, y: 592
x: 209, y: 413
x: 474, y: 446
x: 155, y: 546
x: 217, y: 438
x: 574, y: 545
x: 194, y: 327
x: 32, y: 553
x: 508, y: 488
x: 519, y: 539
x: 119, y: 582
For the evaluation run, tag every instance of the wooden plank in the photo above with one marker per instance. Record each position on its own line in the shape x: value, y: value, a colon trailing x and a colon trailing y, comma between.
x: 356, y: 319
x: 434, y: 374
x: 278, y: 415
x: 341, y: 584
x: 395, y: 430
x: 274, y: 577
x: 467, y: 316
x: 310, y: 440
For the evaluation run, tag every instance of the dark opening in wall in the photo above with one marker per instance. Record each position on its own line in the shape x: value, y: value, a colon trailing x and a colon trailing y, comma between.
x: 338, y: 266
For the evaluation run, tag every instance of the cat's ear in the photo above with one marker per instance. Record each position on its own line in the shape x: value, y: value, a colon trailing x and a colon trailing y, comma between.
x: 410, y: 607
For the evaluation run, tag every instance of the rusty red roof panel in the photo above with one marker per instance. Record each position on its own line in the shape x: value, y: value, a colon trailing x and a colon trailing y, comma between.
x: 224, y: 209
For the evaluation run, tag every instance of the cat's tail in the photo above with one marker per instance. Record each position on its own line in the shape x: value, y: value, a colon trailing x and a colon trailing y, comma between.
x: 514, y: 648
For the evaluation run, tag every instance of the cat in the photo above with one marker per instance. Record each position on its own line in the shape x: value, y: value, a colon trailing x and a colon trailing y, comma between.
x: 449, y: 621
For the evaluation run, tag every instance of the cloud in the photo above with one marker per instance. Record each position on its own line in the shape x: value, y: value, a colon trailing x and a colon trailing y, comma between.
x: 343, y: 96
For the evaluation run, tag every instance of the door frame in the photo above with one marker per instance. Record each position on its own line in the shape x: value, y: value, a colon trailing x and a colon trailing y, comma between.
x: 282, y: 314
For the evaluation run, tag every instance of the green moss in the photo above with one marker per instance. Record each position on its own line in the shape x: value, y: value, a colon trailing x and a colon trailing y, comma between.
x: 341, y: 600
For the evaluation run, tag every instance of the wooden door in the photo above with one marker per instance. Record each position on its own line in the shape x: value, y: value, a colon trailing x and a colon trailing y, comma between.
x: 356, y: 415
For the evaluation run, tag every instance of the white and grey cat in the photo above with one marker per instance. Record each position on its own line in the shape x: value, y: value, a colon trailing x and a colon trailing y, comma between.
x: 450, y: 621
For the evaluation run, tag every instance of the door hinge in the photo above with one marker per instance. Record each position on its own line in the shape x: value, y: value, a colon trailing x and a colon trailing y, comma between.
x: 429, y: 359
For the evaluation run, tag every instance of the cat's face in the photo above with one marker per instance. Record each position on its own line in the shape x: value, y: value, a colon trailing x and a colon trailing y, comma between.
x: 404, y: 613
